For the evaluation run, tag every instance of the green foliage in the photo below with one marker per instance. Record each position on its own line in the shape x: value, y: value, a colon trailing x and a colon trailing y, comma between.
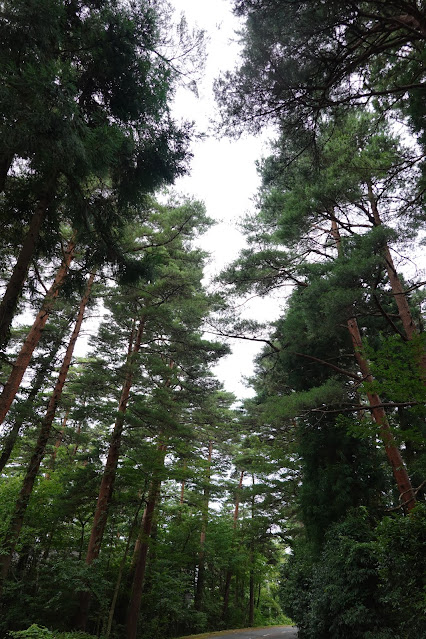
x: 39, y: 632
x: 395, y: 364
x: 401, y: 543
x: 360, y: 583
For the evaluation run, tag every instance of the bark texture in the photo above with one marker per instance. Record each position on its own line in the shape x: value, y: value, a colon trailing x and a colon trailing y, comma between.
x: 19, y: 274
x: 406, y: 492
x: 21, y: 505
x: 20, y: 419
x: 404, y: 311
x: 108, y: 479
x: 141, y: 550
x: 21, y: 363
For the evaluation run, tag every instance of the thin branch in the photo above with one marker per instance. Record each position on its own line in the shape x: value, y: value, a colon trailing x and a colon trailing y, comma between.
x: 245, y: 337
x: 359, y: 407
x: 388, y: 318
x: 335, y: 368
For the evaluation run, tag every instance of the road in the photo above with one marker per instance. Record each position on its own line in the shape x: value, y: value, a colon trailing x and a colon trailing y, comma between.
x: 281, y: 632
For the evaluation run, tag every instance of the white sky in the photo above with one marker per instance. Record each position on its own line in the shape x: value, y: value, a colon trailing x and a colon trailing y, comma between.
x: 223, y: 173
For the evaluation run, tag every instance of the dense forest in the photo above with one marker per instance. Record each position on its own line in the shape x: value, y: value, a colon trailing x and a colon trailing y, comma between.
x: 139, y: 498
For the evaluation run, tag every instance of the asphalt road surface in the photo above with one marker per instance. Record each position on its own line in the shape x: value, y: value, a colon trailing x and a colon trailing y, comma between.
x: 281, y: 632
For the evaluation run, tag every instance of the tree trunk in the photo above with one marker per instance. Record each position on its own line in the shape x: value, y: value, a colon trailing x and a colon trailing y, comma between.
x: 141, y: 550
x: 251, y: 594
x: 229, y: 571
x: 15, y: 526
x: 6, y: 160
x: 399, y: 294
x: 406, y: 492
x: 59, y: 440
x: 198, y: 601
x: 251, y: 583
x: 57, y: 445
x: 121, y: 569
x: 21, y: 363
x: 108, y: 478
x: 182, y: 485
x: 19, y: 275
x: 20, y: 418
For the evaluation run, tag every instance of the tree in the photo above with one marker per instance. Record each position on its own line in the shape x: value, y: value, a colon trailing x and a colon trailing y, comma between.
x: 40, y: 447
x: 161, y: 318
x: 86, y: 127
x: 321, y: 205
x: 303, y: 61
x: 23, y: 359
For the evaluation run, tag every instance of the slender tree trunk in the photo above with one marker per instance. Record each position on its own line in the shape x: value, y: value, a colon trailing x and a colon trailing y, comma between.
x: 6, y: 160
x: 229, y: 571
x: 108, y: 479
x: 251, y: 583
x: 110, y: 471
x: 406, y: 492
x: 21, y: 363
x: 59, y: 439
x: 141, y: 549
x: 198, y: 601
x: 182, y: 485
x: 251, y: 593
x: 20, y: 418
x: 15, y: 526
x: 121, y: 569
x: 396, y: 285
x: 19, y: 275
x: 398, y: 291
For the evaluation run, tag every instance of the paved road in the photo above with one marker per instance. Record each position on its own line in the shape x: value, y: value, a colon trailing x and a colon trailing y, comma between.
x: 281, y: 632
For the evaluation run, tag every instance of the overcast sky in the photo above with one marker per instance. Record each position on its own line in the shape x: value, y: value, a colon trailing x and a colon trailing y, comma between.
x: 223, y: 172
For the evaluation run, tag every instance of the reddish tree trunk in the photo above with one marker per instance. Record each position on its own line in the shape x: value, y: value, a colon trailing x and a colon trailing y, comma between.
x: 27, y: 486
x: 110, y: 471
x: 20, y: 418
x: 229, y: 571
x: 398, y: 291
x: 21, y: 363
x: 108, y: 479
x: 141, y: 551
x: 406, y: 492
x: 19, y: 275
x: 397, y: 288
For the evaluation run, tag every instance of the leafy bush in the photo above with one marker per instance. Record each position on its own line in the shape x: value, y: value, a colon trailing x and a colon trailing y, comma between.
x: 369, y: 582
x: 39, y: 632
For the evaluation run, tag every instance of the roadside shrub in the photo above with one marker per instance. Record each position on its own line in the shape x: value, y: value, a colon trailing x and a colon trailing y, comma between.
x: 368, y: 583
x: 39, y: 632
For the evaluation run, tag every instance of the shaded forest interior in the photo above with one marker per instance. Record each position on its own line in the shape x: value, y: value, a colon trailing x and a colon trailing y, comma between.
x: 138, y: 497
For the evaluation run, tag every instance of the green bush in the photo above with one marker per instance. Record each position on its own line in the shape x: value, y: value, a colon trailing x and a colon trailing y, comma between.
x: 39, y: 632
x: 369, y: 582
